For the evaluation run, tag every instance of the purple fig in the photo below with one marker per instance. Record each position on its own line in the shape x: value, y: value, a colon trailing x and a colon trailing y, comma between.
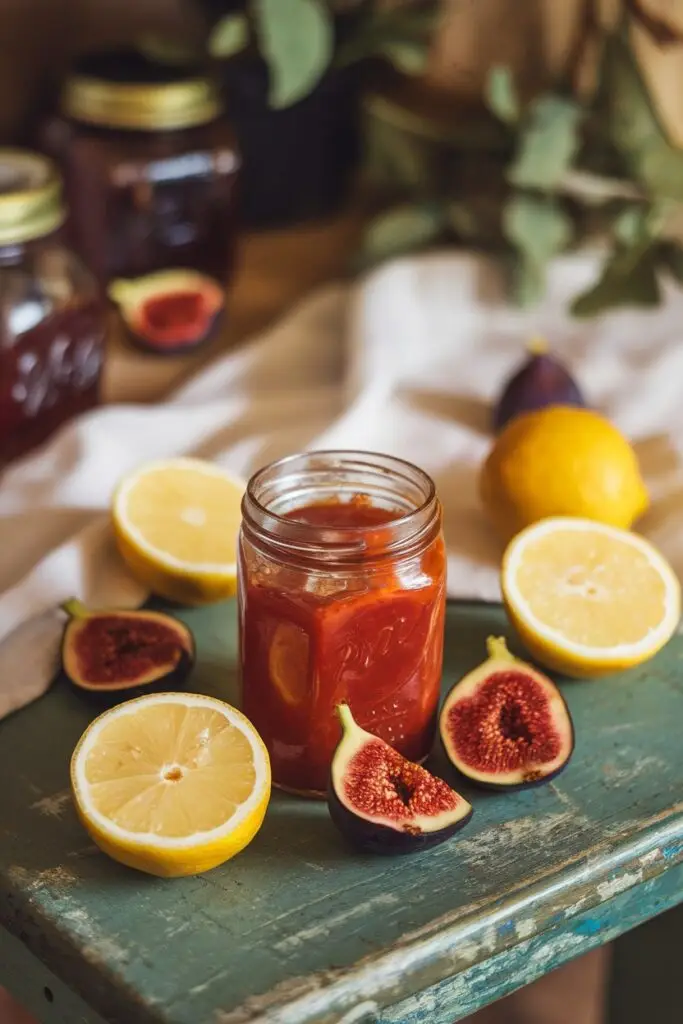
x: 541, y: 381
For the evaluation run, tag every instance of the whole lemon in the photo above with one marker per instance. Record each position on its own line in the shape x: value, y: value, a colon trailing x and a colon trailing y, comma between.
x: 558, y: 461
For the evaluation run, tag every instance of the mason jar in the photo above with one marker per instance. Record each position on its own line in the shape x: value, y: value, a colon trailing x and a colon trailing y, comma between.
x: 342, y: 589
x: 52, y: 322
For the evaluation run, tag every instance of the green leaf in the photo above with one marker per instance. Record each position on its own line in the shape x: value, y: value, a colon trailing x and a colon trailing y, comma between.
x: 401, y: 229
x: 528, y: 283
x: 629, y: 278
x: 633, y: 126
x: 402, y: 35
x: 297, y: 41
x: 409, y: 56
x: 229, y: 36
x: 539, y: 228
x: 501, y: 95
x: 548, y: 144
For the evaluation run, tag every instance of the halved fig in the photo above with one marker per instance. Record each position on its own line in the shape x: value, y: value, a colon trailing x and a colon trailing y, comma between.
x: 171, y: 310
x: 506, y: 725
x: 383, y: 803
x: 121, y: 652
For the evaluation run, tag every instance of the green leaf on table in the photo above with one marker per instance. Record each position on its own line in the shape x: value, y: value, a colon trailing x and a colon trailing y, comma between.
x: 539, y: 229
x: 230, y: 35
x: 633, y: 125
x: 501, y: 95
x: 401, y: 229
x: 549, y: 141
x: 628, y: 278
x: 296, y: 38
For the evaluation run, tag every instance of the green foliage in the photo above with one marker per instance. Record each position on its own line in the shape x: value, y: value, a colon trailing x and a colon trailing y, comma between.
x: 399, y: 229
x: 548, y: 143
x: 539, y: 228
x: 296, y: 39
x: 229, y: 36
x: 402, y: 35
x: 501, y: 95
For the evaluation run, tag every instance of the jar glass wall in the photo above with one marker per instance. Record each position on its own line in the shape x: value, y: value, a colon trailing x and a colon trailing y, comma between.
x: 52, y: 323
x: 342, y: 599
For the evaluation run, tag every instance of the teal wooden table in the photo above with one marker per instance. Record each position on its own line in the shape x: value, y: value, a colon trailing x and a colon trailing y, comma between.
x: 297, y: 930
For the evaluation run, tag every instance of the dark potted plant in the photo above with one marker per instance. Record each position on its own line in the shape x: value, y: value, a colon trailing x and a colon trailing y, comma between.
x: 293, y: 72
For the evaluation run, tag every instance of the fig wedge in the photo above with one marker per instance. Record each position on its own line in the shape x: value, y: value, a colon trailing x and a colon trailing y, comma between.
x: 120, y: 652
x: 506, y: 725
x: 383, y: 803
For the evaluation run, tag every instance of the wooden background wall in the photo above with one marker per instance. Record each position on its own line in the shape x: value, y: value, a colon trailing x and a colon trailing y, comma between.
x: 533, y: 36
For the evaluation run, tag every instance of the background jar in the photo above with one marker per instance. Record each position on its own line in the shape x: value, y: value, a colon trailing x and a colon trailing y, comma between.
x: 150, y: 167
x: 347, y: 612
x: 52, y: 324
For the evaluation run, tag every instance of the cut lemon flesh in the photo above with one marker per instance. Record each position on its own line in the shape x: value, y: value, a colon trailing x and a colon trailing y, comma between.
x: 588, y: 598
x: 176, y: 525
x: 171, y: 784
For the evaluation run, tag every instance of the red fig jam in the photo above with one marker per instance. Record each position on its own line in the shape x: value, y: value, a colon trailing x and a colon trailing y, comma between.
x: 52, y: 325
x: 150, y: 167
x: 342, y: 599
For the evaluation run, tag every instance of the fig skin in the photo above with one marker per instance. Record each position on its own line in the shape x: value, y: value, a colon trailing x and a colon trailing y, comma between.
x: 560, y: 740
x: 365, y: 832
x: 125, y: 634
x: 542, y: 380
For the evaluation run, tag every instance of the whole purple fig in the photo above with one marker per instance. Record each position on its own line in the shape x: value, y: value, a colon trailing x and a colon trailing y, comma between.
x: 541, y: 381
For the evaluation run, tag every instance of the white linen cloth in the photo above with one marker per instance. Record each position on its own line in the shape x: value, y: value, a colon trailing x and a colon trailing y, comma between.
x: 406, y: 361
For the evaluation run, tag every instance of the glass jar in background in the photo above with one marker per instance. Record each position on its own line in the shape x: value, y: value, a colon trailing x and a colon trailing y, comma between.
x: 52, y: 322
x: 342, y: 589
x: 150, y: 167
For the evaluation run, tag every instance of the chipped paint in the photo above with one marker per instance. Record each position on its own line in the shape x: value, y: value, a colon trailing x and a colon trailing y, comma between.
x: 324, y: 929
x: 606, y: 890
x: 525, y: 928
x: 651, y: 857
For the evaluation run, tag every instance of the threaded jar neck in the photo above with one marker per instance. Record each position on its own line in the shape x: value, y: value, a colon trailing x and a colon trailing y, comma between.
x: 406, y: 492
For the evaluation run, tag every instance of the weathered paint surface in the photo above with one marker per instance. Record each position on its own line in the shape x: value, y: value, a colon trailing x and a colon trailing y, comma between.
x: 298, y: 930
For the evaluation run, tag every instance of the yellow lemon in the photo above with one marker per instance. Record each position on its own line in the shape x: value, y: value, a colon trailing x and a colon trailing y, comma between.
x: 176, y: 525
x: 171, y: 783
x: 588, y: 599
x: 561, y: 461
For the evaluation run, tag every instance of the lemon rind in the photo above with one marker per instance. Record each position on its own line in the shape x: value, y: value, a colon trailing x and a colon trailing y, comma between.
x: 650, y: 643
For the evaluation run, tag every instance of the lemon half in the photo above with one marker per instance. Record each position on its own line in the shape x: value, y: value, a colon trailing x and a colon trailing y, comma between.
x: 176, y: 525
x: 586, y: 598
x: 171, y: 783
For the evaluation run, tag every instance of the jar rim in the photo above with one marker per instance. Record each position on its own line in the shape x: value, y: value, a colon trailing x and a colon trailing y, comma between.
x: 302, y: 541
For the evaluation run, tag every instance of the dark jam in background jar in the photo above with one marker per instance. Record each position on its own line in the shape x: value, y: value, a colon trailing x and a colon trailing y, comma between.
x: 52, y: 322
x: 150, y: 167
x: 342, y: 589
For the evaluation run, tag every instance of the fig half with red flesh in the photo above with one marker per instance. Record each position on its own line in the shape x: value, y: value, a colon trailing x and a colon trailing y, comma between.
x: 116, y: 651
x: 506, y: 725
x: 169, y: 311
x: 383, y: 803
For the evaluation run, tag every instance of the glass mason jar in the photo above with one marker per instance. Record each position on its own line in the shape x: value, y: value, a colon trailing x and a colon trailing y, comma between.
x: 52, y: 324
x: 150, y: 166
x: 342, y: 589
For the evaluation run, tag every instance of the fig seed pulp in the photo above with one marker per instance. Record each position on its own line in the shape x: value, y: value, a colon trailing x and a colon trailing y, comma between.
x: 506, y: 725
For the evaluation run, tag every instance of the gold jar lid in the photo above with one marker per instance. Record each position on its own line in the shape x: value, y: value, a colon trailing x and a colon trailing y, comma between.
x: 31, y: 203
x: 129, y: 91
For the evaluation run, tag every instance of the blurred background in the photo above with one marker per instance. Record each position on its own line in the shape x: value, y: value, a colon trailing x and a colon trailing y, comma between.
x: 388, y: 136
